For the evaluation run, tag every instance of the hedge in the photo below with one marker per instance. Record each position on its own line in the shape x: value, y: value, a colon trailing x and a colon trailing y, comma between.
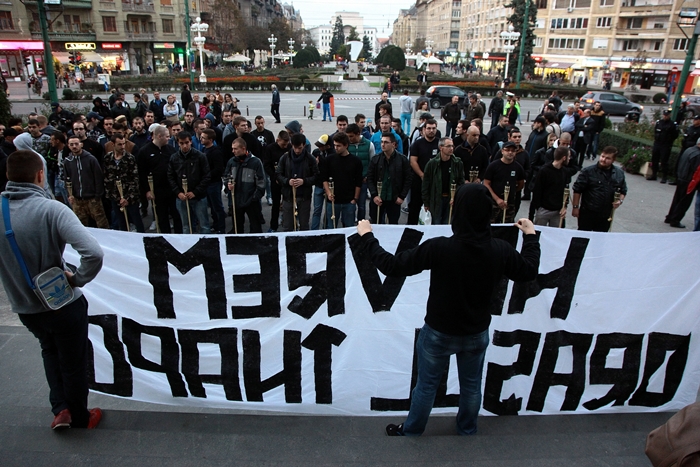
x: 624, y: 142
x: 234, y: 83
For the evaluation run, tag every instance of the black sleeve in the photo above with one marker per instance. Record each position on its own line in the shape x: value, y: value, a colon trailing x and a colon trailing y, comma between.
x: 371, y: 177
x: 407, y: 263
x: 358, y: 173
x: 407, y: 178
x: 522, y: 267
x: 311, y: 180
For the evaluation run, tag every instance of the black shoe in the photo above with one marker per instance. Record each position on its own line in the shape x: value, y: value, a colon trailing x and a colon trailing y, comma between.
x: 667, y: 221
x: 663, y: 180
x: 525, y: 198
x: 394, y: 430
x: 673, y: 183
x: 677, y: 225
x: 652, y: 178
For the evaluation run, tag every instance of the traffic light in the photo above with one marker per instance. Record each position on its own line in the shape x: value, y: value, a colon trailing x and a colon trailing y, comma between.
x: 78, y: 58
x: 71, y: 57
x: 28, y: 61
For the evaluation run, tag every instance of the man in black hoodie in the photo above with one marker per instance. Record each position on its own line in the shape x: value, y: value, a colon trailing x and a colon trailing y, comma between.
x: 297, y: 169
x: 464, y: 271
x: 272, y: 155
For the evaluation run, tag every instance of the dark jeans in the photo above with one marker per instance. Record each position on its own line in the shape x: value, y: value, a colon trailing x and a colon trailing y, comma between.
x: 217, y: 207
x: 275, y: 111
x: 165, y: 208
x: 660, y: 154
x: 416, y: 202
x: 362, y: 203
x: 134, y: 214
x: 390, y: 210
x: 594, y: 221
x: 276, y: 191
x: 433, y: 352
x: 451, y: 129
x: 344, y: 213
x: 63, y: 336
x: 680, y: 204
x: 303, y: 214
x: 254, y: 215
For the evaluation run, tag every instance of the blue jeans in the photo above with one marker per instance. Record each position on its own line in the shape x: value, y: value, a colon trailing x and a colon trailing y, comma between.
x: 343, y: 212
x: 433, y: 350
x: 134, y: 217
x: 697, y: 212
x: 198, y: 210
x: 217, y: 207
x: 406, y: 123
x: 362, y: 202
x: 594, y: 149
x: 318, y: 208
x: 327, y: 110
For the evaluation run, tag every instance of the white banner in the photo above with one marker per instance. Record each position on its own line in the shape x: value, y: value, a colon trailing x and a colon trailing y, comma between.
x: 303, y: 323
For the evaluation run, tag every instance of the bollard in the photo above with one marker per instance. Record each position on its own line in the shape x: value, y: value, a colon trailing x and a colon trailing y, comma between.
x: 247, y: 111
x: 528, y: 116
x: 304, y: 111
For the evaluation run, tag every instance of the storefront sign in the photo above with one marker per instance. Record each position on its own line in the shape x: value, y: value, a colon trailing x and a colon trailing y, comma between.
x: 112, y: 45
x: 80, y: 46
x: 23, y: 45
x: 164, y: 45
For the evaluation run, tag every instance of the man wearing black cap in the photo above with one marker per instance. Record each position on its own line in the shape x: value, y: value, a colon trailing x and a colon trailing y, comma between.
x: 499, y: 174
x: 536, y: 141
x: 665, y: 133
x: 458, y: 309
x: 59, y: 116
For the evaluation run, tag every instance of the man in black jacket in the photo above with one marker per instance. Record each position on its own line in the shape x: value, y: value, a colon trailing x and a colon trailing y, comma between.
x: 464, y: 271
x: 536, y: 141
x: 297, y: 169
x: 272, y: 155
x: 190, y: 166
x: 496, y: 108
x: 153, y: 160
x: 474, y: 156
x: 247, y: 182
x: 394, y: 172
x: 584, y: 130
x: 216, y: 169
x: 498, y: 135
x: 548, y: 193
x: 687, y: 165
x: 156, y: 106
x: 597, y: 185
x: 665, y: 133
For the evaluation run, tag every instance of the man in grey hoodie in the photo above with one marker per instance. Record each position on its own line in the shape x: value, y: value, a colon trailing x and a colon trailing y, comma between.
x: 63, y: 333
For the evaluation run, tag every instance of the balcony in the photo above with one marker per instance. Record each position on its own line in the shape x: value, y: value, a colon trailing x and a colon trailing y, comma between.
x: 138, y: 7
x: 108, y: 6
x: 67, y: 36
x: 140, y: 36
x: 72, y: 4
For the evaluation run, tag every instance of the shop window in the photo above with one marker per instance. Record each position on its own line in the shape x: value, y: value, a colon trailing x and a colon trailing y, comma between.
x: 168, y: 26
x: 109, y: 23
x: 6, y: 23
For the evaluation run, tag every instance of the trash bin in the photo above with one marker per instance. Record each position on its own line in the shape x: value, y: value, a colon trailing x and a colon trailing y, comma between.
x: 632, y: 116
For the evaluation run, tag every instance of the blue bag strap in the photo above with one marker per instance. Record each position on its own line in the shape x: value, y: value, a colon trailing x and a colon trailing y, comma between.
x: 9, y: 233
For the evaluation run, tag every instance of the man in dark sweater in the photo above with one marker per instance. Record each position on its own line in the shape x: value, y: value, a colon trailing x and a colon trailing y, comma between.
x: 153, y: 160
x: 503, y: 175
x: 548, y: 193
x: 247, y: 182
x: 216, y: 169
x: 464, y: 271
x: 83, y: 171
x: 297, y: 169
x: 474, y: 156
x: 344, y: 172
x: 273, y: 153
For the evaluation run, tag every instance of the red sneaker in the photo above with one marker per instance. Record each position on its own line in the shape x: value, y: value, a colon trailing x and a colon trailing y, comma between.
x: 95, y: 418
x: 62, y: 420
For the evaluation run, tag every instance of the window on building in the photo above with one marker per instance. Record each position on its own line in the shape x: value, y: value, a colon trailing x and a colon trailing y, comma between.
x: 109, y: 23
x: 563, y: 43
x: 456, y: 13
x: 539, y: 42
x: 6, y: 23
x: 168, y: 26
x: 657, y: 45
x: 603, y: 22
x: 680, y: 44
x: 454, y: 34
x: 607, y: 2
x: 600, y: 43
x: 166, y: 2
x: 630, y: 44
x: 634, y: 23
x: 541, y: 4
x: 659, y: 25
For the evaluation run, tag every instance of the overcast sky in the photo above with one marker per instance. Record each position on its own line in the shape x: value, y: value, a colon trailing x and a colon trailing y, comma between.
x: 375, y: 13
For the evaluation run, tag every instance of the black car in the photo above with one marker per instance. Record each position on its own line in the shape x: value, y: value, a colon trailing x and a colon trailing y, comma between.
x: 442, y: 95
x: 613, y: 103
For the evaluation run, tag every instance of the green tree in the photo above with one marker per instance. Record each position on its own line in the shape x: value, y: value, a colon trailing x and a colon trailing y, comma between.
x: 418, y: 45
x: 395, y: 59
x: 342, y: 52
x: 527, y: 35
x: 314, y: 52
x: 366, y: 48
x: 382, y: 53
x: 225, y: 26
x: 255, y: 38
x: 354, y: 36
x: 303, y: 58
x: 338, y: 38
x: 280, y: 28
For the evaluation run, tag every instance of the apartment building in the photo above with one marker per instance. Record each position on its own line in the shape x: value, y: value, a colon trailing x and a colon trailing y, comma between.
x: 626, y: 41
x: 124, y: 35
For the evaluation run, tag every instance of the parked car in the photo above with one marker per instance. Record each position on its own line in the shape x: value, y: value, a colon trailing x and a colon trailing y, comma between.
x: 442, y: 95
x: 613, y: 103
x: 692, y: 107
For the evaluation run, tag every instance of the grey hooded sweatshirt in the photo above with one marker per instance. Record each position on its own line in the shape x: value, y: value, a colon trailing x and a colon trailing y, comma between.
x: 42, y: 229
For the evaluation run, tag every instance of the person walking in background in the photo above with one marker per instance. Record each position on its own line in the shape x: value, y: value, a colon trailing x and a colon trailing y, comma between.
x: 406, y: 105
x: 326, y: 98
x: 275, y: 106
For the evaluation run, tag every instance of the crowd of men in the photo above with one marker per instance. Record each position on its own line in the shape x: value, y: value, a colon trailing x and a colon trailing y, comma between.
x: 113, y: 163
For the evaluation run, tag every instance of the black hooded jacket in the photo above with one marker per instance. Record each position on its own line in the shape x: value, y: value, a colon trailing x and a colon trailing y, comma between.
x: 465, y: 268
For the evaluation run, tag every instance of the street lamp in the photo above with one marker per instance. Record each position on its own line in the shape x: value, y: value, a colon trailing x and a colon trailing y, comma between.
x: 291, y: 51
x: 303, y: 45
x: 686, y: 17
x: 272, y: 40
x: 199, y: 41
x: 509, y: 39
